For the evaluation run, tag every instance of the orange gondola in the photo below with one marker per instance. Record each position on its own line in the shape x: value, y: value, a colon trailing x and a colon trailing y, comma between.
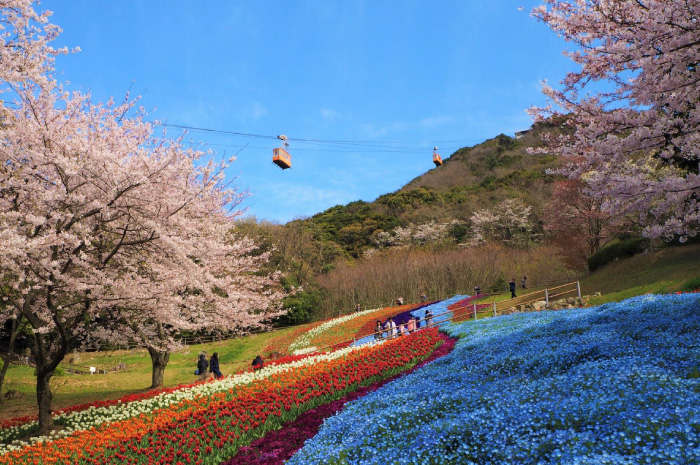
x: 437, y: 159
x: 280, y: 156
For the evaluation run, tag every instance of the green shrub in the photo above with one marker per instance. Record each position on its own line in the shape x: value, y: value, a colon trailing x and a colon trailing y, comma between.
x: 691, y: 285
x: 612, y: 252
x: 500, y: 284
x: 300, y: 307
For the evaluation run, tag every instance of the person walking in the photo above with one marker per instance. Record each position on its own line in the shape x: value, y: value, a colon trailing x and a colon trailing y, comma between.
x: 410, y: 326
x: 202, y: 366
x: 511, y: 283
x: 387, y: 328
x: 357, y: 308
x: 214, y: 366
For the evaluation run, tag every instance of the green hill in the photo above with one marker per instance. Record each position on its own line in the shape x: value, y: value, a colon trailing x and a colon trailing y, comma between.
x: 470, y: 179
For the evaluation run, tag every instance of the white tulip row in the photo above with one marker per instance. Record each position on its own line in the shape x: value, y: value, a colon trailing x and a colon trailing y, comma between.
x: 304, y: 340
x: 306, y: 350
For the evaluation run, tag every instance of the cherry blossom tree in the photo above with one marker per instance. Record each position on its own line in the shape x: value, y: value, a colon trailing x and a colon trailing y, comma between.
x: 508, y: 222
x: 108, y: 231
x: 414, y: 234
x: 577, y: 221
x: 634, y: 106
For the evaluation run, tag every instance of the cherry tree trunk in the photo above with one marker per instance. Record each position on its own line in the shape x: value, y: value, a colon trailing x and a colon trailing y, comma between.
x: 159, y: 360
x: 14, y: 332
x: 44, y: 397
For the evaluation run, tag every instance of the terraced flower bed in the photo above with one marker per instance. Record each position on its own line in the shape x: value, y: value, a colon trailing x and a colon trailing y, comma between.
x: 464, y: 309
x: 277, y: 446
x: 209, y: 422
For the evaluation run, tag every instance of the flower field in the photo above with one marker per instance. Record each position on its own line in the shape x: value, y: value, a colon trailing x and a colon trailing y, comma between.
x: 277, y: 446
x: 464, y: 310
x: 615, y: 384
x: 333, y: 332
x: 440, y: 309
x: 208, y: 422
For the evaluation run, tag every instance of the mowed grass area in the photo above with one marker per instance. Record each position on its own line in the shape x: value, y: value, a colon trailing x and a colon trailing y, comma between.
x: 234, y: 355
x: 661, y: 271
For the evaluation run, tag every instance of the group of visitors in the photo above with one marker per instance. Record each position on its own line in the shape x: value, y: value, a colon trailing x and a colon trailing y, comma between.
x: 208, y: 369
x: 512, y: 285
x: 393, y: 330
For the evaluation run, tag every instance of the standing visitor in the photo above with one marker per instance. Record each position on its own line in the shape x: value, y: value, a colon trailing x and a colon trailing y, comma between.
x: 258, y: 363
x: 378, y: 330
x: 428, y: 318
x: 410, y: 326
x: 394, y: 330
x: 423, y: 298
x: 387, y: 328
x: 202, y: 366
x: 477, y: 290
x: 511, y: 283
x: 417, y: 322
x: 357, y: 308
x: 523, y: 282
x: 214, y: 365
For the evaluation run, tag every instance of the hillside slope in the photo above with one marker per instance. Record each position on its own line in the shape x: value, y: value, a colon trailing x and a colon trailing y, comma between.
x: 657, y: 271
x: 470, y: 179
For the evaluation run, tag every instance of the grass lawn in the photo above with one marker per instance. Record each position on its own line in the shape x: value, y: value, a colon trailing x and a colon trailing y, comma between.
x: 234, y: 355
x: 658, y: 272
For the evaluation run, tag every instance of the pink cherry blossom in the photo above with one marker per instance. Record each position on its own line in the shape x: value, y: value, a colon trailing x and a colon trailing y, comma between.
x: 633, y: 104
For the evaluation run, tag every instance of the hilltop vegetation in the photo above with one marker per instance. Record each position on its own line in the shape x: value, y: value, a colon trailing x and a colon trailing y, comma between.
x: 470, y: 179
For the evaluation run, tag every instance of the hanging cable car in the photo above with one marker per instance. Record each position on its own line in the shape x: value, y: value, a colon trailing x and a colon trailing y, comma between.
x: 280, y: 156
x: 437, y: 159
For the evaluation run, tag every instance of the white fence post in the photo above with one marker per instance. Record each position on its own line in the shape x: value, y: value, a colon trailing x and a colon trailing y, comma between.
x: 494, y: 309
x: 474, y: 311
x: 546, y: 297
x: 578, y: 288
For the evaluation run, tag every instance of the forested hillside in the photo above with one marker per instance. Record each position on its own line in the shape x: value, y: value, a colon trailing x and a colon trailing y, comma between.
x: 489, y: 213
x: 471, y: 179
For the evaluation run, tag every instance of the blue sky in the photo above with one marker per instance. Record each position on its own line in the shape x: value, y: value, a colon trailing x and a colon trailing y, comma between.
x: 390, y: 79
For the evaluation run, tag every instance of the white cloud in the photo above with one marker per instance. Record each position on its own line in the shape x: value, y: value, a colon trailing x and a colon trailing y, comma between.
x: 435, y: 121
x: 330, y: 115
x: 258, y: 110
x: 371, y: 130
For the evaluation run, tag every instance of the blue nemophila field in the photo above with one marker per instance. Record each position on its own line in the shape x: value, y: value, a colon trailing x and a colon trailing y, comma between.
x: 612, y: 384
